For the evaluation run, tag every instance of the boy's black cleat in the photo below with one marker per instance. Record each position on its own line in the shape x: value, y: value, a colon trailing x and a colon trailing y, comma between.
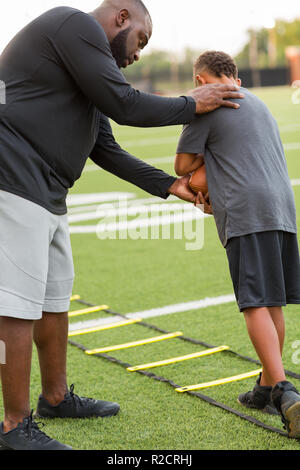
x: 74, y: 406
x: 286, y: 398
x: 28, y: 436
x: 259, y: 398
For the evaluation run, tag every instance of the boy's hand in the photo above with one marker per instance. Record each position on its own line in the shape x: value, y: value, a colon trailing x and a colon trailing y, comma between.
x: 213, y: 96
x: 180, y: 188
x: 203, y: 203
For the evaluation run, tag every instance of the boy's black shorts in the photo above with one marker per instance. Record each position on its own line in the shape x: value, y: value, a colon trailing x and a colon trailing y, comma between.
x: 265, y: 269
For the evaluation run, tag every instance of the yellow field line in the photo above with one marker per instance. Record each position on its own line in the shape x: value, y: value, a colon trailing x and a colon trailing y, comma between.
x: 219, y: 382
x: 101, y: 328
x: 74, y: 297
x: 135, y: 343
x: 178, y: 359
x: 85, y: 311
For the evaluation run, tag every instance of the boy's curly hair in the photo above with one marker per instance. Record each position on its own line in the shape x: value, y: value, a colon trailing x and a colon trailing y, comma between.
x: 216, y: 63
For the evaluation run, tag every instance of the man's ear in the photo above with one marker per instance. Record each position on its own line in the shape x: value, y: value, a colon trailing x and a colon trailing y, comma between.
x: 122, y: 18
x: 200, y: 80
x: 239, y: 82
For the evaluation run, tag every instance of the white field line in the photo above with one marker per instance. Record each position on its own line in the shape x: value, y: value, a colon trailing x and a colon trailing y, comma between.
x: 112, y: 216
x: 191, y: 213
x: 151, y: 161
x: 151, y: 141
x: 156, y: 312
x: 116, y: 204
x: 130, y: 211
x: 83, y: 199
x: 290, y: 127
x: 171, y: 158
x: 292, y: 146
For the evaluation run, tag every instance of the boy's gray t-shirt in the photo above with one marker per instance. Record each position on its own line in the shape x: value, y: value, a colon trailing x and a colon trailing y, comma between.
x: 248, y: 182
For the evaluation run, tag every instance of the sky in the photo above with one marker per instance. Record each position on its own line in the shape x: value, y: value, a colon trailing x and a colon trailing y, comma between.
x: 178, y: 24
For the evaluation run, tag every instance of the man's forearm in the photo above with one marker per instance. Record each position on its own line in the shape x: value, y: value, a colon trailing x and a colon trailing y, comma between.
x: 127, y: 167
x: 108, y: 154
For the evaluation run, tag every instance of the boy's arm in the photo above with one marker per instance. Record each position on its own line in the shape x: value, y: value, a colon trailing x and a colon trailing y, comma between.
x: 191, y: 146
x: 187, y: 163
x: 190, y: 153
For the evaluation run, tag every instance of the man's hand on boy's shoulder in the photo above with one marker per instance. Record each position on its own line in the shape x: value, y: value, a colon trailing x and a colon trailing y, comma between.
x: 213, y: 96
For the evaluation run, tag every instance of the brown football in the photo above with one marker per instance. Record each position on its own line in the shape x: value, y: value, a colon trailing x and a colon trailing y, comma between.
x: 198, y: 182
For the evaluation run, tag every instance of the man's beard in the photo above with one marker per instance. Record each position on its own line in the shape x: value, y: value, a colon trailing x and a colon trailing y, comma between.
x: 118, y: 47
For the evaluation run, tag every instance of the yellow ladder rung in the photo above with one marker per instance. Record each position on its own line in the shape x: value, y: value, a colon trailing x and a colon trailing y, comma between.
x: 178, y: 359
x: 85, y: 311
x: 135, y: 343
x: 74, y: 297
x: 105, y: 327
x: 220, y: 381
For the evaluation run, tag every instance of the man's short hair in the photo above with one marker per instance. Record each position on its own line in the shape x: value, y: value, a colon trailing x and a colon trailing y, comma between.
x: 216, y: 63
x: 143, y: 7
x: 135, y: 3
x: 141, y: 4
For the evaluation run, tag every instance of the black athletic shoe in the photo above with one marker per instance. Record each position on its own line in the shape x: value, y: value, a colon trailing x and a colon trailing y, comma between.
x: 259, y: 398
x: 74, y: 406
x: 28, y: 436
x: 286, y: 398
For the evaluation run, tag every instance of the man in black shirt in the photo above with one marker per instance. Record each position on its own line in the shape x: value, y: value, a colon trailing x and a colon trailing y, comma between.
x: 63, y: 83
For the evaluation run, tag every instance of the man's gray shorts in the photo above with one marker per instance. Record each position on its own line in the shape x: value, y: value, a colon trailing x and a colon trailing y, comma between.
x: 36, y: 263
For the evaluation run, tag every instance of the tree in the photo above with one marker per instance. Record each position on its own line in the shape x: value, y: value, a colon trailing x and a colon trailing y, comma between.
x: 283, y: 35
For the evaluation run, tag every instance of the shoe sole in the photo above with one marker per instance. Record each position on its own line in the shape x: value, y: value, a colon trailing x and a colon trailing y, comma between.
x: 292, y: 416
x: 268, y: 409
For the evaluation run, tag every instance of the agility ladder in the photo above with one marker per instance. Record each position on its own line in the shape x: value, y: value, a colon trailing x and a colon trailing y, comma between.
x: 142, y: 368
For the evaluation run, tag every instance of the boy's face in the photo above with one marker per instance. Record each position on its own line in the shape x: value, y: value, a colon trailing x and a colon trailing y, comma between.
x: 205, y: 78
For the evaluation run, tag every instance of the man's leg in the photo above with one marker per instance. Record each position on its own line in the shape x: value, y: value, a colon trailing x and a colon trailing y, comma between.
x: 50, y: 335
x: 265, y: 339
x: 51, y: 338
x: 15, y: 374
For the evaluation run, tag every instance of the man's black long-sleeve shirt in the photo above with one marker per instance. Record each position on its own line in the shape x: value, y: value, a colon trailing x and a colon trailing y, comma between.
x: 62, y: 83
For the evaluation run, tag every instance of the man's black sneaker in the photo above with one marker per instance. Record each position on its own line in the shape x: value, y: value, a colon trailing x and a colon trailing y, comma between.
x: 74, y: 406
x: 28, y: 436
x: 259, y: 398
x: 286, y: 398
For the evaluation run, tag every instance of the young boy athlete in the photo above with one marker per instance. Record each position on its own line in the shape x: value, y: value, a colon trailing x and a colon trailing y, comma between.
x: 253, y: 205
